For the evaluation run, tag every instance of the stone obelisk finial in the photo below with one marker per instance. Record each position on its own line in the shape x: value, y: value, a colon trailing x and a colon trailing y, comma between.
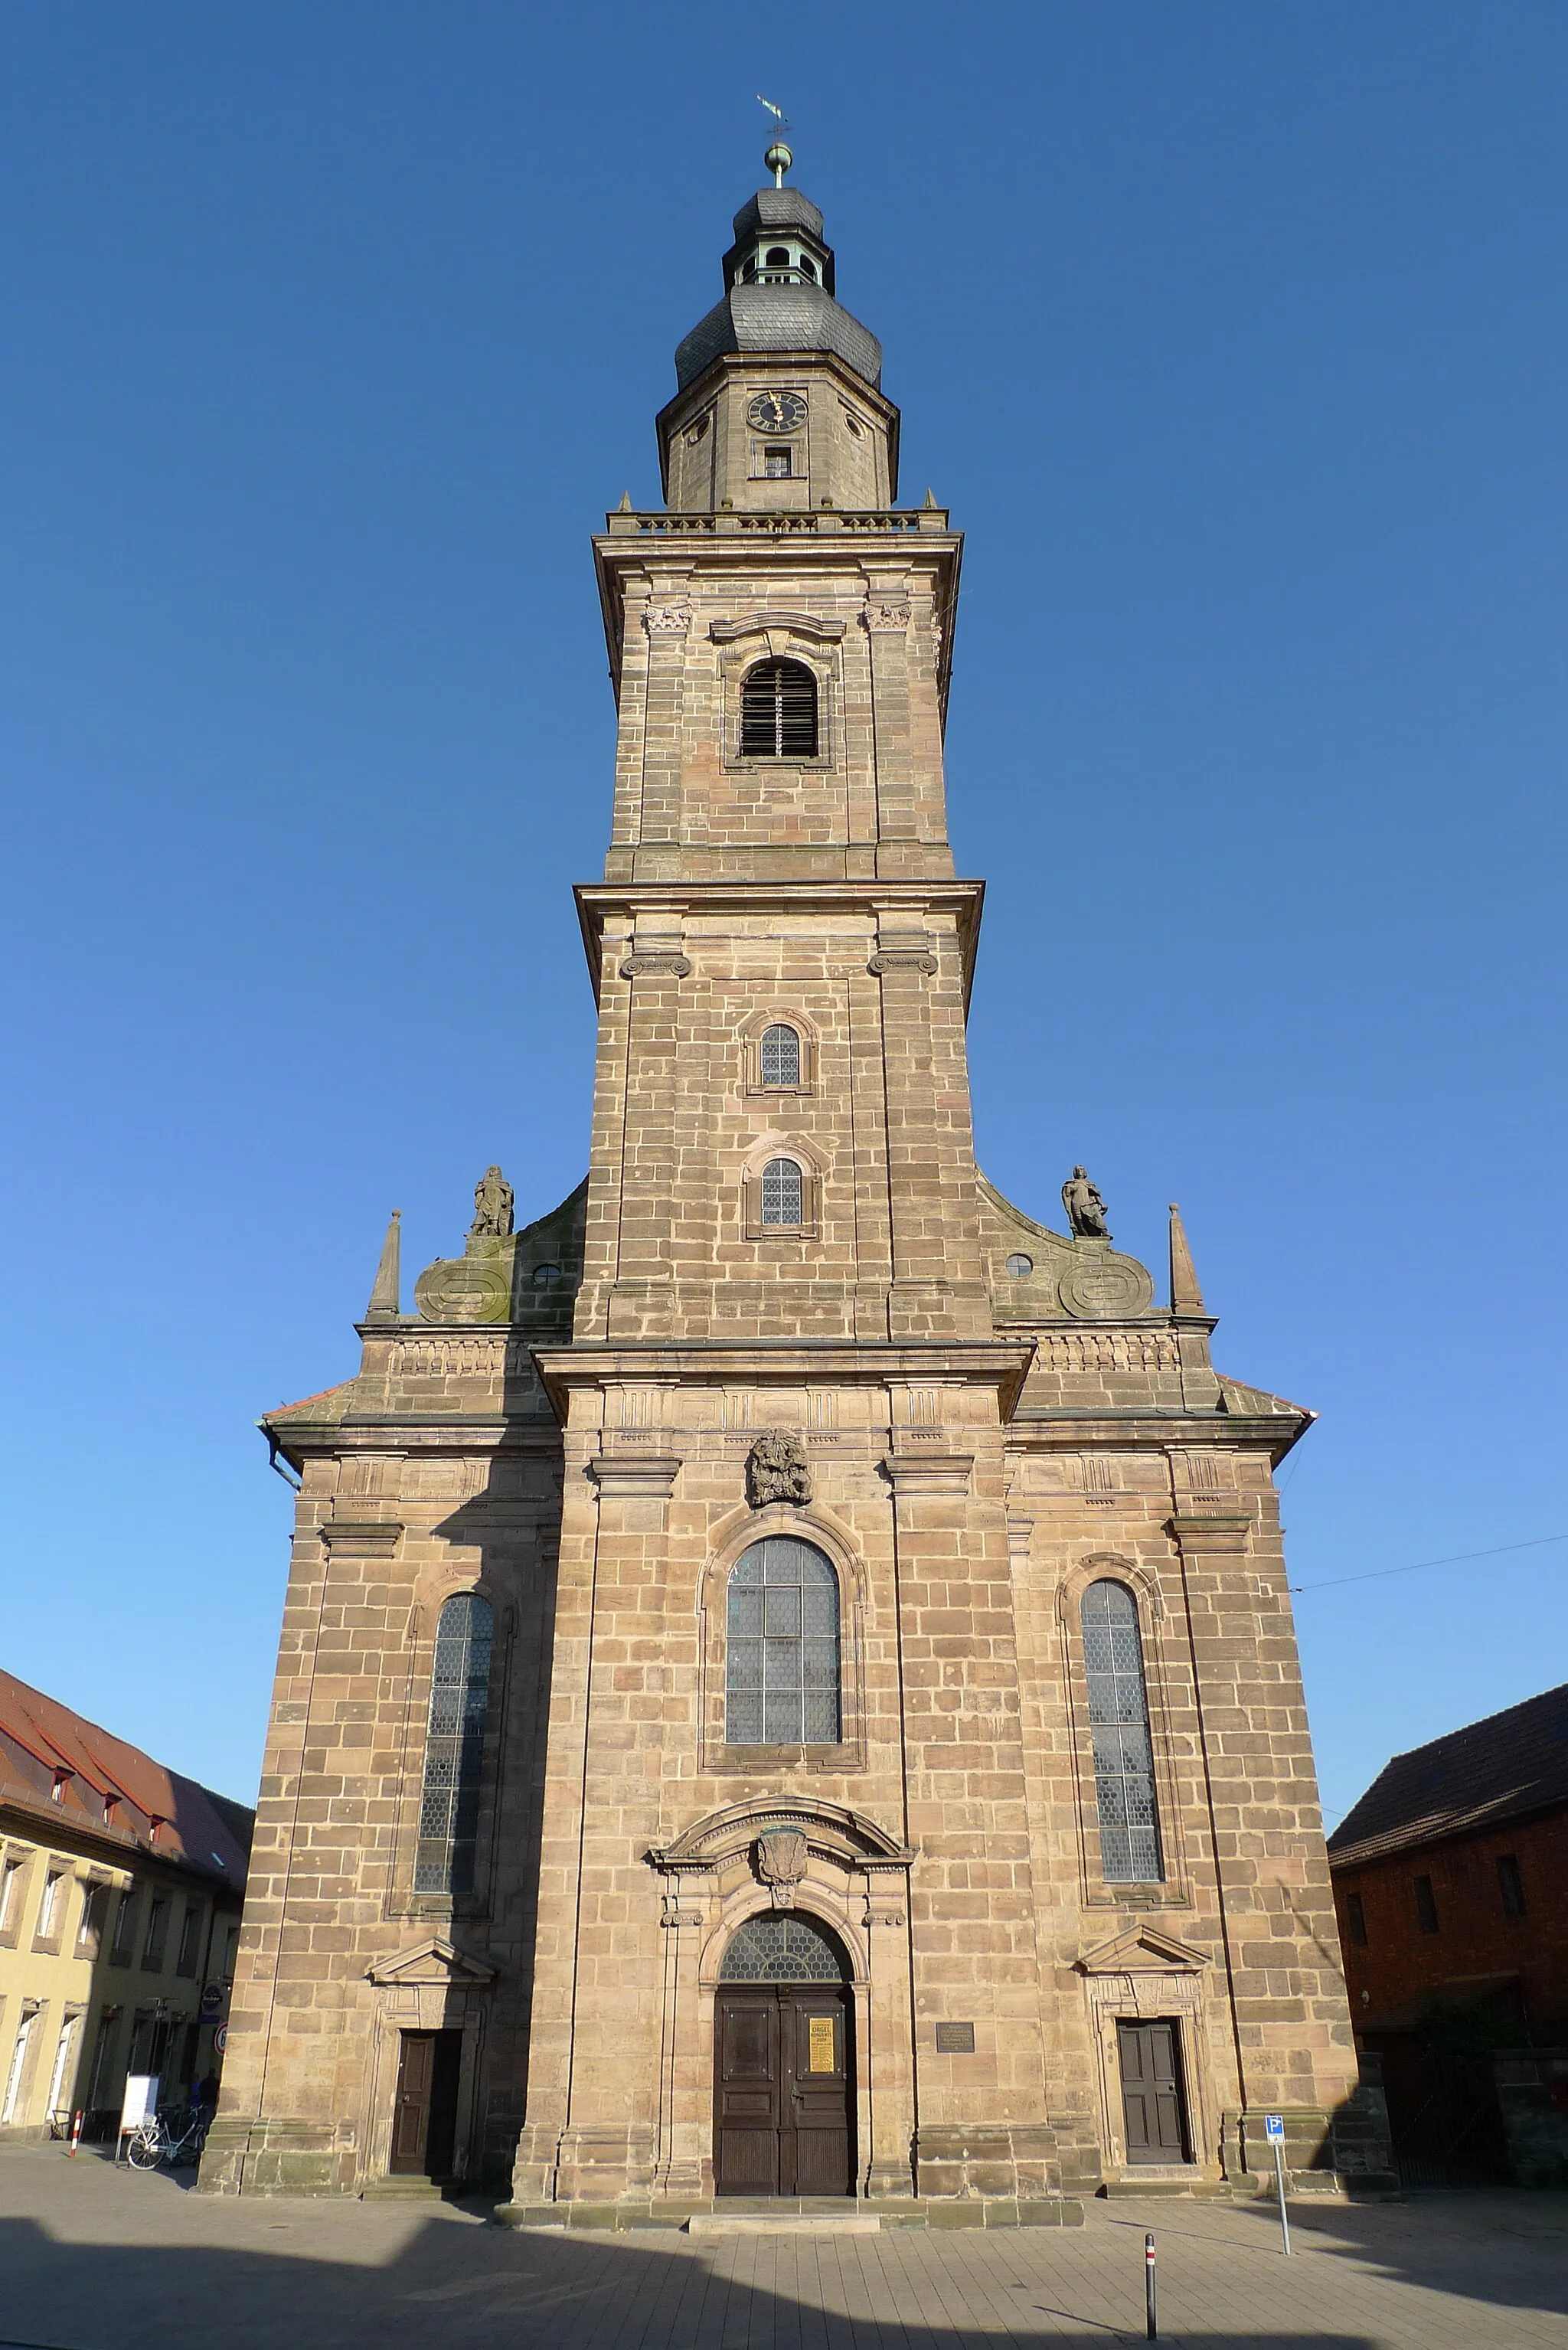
x: 384, y: 1306
x: 1185, y: 1297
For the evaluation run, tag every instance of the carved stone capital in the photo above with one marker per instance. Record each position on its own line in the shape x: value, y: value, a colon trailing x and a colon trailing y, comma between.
x: 888, y: 620
x: 656, y: 950
x: 667, y: 619
x: 1211, y: 1530
x: 903, y: 951
x: 634, y: 1476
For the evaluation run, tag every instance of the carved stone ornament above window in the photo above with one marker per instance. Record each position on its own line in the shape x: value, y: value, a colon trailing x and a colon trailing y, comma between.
x: 886, y: 620
x: 777, y: 1470
x: 667, y: 619
x: 757, y: 624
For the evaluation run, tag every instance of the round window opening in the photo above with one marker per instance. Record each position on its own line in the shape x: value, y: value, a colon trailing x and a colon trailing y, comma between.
x: 782, y: 1946
x: 1019, y: 1267
x: 547, y: 1275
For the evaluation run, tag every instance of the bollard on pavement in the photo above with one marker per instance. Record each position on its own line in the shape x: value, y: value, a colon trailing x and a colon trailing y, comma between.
x: 1151, y: 2325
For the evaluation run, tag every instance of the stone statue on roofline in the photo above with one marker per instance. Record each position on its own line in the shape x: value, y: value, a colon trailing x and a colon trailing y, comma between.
x: 492, y: 1206
x: 1085, y: 1209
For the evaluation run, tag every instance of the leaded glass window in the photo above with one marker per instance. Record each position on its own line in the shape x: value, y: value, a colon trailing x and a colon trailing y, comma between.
x: 780, y: 1946
x: 782, y: 1679
x: 781, y: 1056
x: 454, y: 1749
x: 783, y: 1193
x: 1118, y: 1725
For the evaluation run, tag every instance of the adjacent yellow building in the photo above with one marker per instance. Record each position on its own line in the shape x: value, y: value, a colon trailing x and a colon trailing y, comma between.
x: 120, y: 1890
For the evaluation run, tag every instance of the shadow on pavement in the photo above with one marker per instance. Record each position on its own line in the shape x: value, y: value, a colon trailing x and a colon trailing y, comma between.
x: 460, y: 2285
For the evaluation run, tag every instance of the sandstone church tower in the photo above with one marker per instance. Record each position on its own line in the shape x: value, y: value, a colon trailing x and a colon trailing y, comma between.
x: 787, y: 1684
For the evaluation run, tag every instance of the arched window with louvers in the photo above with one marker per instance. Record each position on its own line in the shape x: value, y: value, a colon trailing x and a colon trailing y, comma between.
x: 1130, y: 1850
x: 779, y: 711
x: 455, y: 1747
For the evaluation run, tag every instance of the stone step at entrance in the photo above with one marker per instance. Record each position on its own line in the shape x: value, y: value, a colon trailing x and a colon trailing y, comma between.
x: 841, y: 2222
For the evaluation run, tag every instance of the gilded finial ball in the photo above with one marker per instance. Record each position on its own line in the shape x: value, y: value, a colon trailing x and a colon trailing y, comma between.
x: 777, y: 161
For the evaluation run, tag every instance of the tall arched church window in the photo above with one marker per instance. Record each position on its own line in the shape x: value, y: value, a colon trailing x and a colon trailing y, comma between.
x: 781, y: 1661
x: 781, y: 1055
x: 778, y: 711
x: 1118, y: 1726
x: 455, y: 1747
x: 783, y: 1193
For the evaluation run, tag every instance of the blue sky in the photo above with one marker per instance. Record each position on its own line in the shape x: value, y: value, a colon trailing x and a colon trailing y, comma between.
x: 1234, y: 337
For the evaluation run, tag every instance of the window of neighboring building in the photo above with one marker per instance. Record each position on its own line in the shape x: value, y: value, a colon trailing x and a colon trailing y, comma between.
x: 64, y: 2047
x: 454, y: 1748
x: 1119, y: 1727
x: 102, y: 2048
x: 124, y: 1940
x: 782, y: 1664
x: 1425, y: 1904
x: 94, y: 1909
x: 1510, y: 1885
x: 780, y: 1055
x: 189, y: 1940
x: 10, y: 1895
x: 778, y: 711
x: 157, y: 1933
x: 50, y: 1904
x: 18, y: 2066
x: 783, y: 1193
x: 1355, y: 1920
x: 231, y: 1953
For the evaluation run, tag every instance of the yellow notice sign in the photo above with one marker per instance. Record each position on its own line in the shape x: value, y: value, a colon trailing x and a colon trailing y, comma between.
x: 822, y: 2056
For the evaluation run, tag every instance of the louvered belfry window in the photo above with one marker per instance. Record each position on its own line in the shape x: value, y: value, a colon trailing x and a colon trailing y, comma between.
x: 780, y: 1677
x: 781, y: 1055
x: 454, y: 1749
x: 1118, y: 1725
x: 778, y: 711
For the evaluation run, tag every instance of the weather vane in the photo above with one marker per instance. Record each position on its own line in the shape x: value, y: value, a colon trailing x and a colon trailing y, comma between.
x: 778, y: 157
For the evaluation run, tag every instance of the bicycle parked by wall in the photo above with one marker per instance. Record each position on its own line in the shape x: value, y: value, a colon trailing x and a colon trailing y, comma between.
x: 154, y: 2141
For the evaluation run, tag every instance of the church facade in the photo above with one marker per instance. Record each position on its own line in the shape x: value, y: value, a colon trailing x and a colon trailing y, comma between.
x: 787, y: 1684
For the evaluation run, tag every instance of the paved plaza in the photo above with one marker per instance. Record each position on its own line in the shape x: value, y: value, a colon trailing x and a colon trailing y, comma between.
x: 95, y: 2259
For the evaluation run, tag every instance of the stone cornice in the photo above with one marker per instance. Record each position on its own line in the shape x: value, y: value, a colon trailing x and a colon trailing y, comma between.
x: 964, y: 900
x: 784, y: 1362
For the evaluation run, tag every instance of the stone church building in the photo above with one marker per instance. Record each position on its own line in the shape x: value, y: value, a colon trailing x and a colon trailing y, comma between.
x: 787, y: 1684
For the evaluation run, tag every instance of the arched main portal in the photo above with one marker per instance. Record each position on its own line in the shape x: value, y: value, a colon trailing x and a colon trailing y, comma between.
x: 783, y: 2061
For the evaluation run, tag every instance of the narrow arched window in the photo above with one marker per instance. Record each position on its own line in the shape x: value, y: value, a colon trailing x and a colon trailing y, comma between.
x: 1118, y: 1725
x: 454, y: 1748
x: 783, y: 1193
x: 781, y: 1671
x: 781, y: 1056
x: 778, y: 711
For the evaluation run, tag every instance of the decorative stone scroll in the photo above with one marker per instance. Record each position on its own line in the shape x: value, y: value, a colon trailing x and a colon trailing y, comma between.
x: 777, y: 1470
x: 904, y: 950
x: 650, y: 952
x: 1100, y: 1284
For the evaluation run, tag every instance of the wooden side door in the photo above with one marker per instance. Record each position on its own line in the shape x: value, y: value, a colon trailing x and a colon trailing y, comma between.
x: 816, y: 2156
x: 1151, y: 2093
x: 411, y: 2110
x: 748, y: 2092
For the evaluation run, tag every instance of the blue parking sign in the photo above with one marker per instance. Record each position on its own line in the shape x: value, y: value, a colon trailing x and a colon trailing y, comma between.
x: 1274, y: 2127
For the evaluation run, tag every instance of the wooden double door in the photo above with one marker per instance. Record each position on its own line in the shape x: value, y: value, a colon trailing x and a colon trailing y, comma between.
x: 424, y: 2117
x: 784, y: 2090
x: 1152, y: 2108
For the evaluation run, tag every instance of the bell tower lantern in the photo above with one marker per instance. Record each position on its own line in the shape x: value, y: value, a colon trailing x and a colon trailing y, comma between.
x: 779, y: 405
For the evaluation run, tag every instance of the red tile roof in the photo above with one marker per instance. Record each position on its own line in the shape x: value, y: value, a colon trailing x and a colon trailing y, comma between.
x: 44, y: 1745
x: 1499, y: 1769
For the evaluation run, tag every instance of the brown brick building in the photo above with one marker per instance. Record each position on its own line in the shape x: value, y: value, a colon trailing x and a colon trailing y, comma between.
x: 787, y: 1683
x: 1450, y: 1883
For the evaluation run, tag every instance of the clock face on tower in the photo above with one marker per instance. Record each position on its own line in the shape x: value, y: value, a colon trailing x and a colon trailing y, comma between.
x: 776, y: 412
